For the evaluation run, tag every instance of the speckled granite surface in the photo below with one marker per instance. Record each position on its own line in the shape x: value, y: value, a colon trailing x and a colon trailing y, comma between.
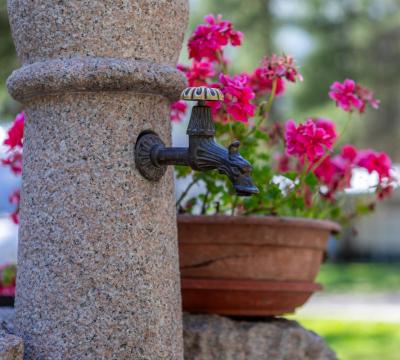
x: 95, y: 74
x: 211, y: 337
x: 127, y: 29
x: 98, y: 268
x: 11, y: 346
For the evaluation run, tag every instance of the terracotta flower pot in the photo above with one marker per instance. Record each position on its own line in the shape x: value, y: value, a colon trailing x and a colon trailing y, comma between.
x: 249, y: 265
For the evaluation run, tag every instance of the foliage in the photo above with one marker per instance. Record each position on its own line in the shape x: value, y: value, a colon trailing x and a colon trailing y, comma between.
x: 354, y: 340
x: 300, y: 169
x: 8, y: 62
x: 360, y: 277
x: 8, y: 275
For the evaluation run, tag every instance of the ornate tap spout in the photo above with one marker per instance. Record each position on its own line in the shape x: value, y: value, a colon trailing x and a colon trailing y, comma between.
x: 203, y: 153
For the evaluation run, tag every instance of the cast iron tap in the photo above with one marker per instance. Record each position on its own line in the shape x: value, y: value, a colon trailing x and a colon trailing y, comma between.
x: 203, y: 153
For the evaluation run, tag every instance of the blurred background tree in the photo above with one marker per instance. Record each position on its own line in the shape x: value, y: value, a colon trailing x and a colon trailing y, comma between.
x: 8, y: 62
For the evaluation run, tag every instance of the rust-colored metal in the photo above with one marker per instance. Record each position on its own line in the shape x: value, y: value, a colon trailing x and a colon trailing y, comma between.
x: 278, y: 258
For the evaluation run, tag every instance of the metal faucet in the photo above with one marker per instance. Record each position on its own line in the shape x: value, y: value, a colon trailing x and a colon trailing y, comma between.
x: 203, y: 153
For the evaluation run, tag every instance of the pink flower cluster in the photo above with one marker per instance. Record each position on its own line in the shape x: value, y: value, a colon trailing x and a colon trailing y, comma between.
x: 15, y: 199
x: 262, y: 84
x: 206, y: 51
x: 276, y: 66
x: 274, y: 69
x: 314, y: 139
x: 374, y: 161
x: 208, y: 39
x: 237, y: 98
x: 15, y: 134
x: 351, y: 96
x: 14, y: 141
x: 178, y: 111
x: 14, y: 160
x: 198, y: 73
x: 335, y: 172
x: 310, y: 140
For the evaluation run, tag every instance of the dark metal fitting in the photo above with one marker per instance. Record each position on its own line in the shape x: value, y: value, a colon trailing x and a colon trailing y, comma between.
x: 152, y: 156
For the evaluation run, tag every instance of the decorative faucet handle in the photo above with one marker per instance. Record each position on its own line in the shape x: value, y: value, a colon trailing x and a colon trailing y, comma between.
x: 202, y: 93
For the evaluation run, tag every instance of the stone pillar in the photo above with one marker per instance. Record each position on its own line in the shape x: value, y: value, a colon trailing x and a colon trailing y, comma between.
x: 98, y: 270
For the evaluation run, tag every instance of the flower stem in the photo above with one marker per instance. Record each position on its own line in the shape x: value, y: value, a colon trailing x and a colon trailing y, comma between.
x: 220, y: 57
x: 271, y: 96
x: 204, y: 206
x: 268, y: 105
x: 313, y: 166
x: 234, y: 204
x: 346, y: 125
x: 183, y: 195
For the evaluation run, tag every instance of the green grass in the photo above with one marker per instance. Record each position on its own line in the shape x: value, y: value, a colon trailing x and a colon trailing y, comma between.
x: 354, y: 340
x: 360, y: 277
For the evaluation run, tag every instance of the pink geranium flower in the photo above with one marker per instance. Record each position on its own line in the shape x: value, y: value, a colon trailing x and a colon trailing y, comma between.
x: 14, y: 199
x: 237, y: 98
x: 262, y: 84
x: 350, y: 96
x: 208, y: 39
x: 374, y: 161
x: 198, y: 73
x: 336, y: 172
x: 14, y: 141
x: 14, y: 160
x: 283, y: 162
x: 276, y: 66
x: 310, y: 140
x: 178, y: 110
x: 384, y: 191
x: 329, y: 128
x: 366, y: 96
x: 349, y: 153
x: 345, y: 95
x: 16, y: 132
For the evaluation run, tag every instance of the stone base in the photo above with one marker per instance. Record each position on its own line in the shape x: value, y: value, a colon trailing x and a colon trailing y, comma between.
x: 211, y: 337
x: 11, y: 346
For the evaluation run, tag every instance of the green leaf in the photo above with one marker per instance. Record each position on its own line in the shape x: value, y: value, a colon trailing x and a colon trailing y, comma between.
x: 311, y: 180
x: 291, y: 175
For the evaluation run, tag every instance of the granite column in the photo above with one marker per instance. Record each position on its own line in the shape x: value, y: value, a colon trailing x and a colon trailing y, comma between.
x: 98, y: 270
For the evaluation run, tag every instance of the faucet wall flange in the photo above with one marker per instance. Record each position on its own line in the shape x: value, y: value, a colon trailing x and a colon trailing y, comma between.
x: 147, y: 142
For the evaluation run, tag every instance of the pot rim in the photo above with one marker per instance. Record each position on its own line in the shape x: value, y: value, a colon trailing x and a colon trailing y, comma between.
x: 277, y: 221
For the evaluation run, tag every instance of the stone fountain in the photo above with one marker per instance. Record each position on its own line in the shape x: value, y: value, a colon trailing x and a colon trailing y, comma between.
x: 98, y: 274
